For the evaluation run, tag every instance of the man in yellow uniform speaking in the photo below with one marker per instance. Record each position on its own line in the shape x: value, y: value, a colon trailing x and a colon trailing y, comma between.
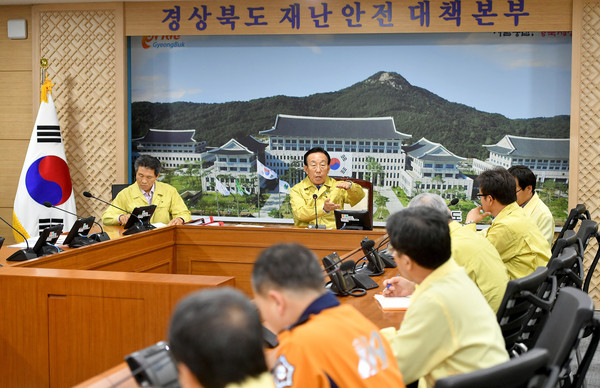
x: 170, y: 208
x: 318, y: 187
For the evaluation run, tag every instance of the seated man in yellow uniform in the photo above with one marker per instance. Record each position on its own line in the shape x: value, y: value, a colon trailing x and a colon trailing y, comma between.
x: 515, y: 235
x: 470, y: 250
x: 448, y: 328
x: 531, y: 202
x: 321, y: 343
x: 216, y: 338
x: 328, y: 193
x: 170, y: 208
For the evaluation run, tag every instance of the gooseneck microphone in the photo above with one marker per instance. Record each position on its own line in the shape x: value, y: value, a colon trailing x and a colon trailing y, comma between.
x: 89, y: 195
x: 315, y: 196
x: 22, y: 254
x: 375, y: 266
x: 102, y: 236
x: 136, y: 228
x: 316, y: 225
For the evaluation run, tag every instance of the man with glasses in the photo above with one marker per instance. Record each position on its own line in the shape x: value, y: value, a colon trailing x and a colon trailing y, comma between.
x: 531, y: 202
x: 515, y: 235
x: 318, y: 187
x: 448, y: 328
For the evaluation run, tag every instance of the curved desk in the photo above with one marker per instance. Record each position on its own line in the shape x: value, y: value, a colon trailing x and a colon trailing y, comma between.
x: 74, y: 314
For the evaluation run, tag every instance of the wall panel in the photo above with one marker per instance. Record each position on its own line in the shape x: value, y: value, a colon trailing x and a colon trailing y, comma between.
x: 585, y: 118
x: 84, y: 45
x: 16, y: 120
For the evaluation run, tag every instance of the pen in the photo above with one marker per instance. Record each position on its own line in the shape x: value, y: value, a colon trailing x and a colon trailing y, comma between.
x: 389, y: 284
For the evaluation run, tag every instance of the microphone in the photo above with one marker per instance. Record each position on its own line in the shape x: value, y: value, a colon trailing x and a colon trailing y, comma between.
x: 375, y: 266
x: 347, y: 266
x: 131, y: 230
x: 332, y: 260
x: 22, y: 254
x: 102, y: 236
x: 453, y: 202
x: 316, y: 225
x: 89, y: 195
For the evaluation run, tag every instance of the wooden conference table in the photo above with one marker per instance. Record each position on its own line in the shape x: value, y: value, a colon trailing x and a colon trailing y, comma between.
x: 72, y: 315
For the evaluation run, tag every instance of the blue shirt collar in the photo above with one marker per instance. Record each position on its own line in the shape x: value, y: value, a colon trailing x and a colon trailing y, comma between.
x: 323, y: 302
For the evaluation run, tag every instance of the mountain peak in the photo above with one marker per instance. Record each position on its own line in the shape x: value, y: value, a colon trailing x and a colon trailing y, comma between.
x: 386, y: 78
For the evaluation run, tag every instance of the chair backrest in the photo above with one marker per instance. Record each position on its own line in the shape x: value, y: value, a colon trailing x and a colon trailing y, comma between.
x: 579, y: 212
x: 116, y: 189
x: 567, y: 268
x: 367, y: 201
x: 571, y: 315
x: 518, y: 304
x: 587, y: 230
x: 515, y: 373
x: 568, y: 239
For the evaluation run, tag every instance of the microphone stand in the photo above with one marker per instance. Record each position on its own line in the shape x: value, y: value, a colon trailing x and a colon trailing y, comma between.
x: 22, y: 254
x: 316, y: 225
x: 135, y: 228
x: 96, y: 237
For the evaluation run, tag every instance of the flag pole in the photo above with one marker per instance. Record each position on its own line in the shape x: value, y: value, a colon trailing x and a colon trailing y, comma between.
x: 279, y: 200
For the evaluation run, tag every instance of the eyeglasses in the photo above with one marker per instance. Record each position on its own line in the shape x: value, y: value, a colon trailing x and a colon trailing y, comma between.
x: 321, y: 166
x: 482, y: 195
x: 518, y: 190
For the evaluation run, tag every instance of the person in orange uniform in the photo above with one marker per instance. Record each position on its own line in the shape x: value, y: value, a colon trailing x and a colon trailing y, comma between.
x: 322, y: 343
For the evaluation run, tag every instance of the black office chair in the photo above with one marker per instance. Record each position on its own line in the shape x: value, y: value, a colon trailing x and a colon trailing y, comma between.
x: 116, y: 189
x: 567, y: 268
x: 571, y: 316
x: 576, y: 214
x: 522, y: 298
x: 568, y: 239
x: 587, y: 230
x: 529, y: 370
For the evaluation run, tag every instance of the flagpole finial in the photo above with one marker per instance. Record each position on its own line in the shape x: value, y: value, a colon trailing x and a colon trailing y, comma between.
x: 44, y: 65
x: 46, y: 82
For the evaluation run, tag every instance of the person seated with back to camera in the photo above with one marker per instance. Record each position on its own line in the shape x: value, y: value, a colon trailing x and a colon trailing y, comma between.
x: 330, y: 193
x: 215, y: 336
x: 470, y: 250
x: 448, y: 328
x: 321, y: 343
x: 170, y: 208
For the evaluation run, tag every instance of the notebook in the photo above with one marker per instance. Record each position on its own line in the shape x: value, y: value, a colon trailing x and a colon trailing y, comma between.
x: 392, y: 302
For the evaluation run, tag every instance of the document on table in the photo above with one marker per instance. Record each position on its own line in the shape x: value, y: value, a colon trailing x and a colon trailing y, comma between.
x: 392, y: 302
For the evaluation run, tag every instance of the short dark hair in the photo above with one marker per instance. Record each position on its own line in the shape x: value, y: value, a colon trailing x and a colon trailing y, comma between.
x: 287, y: 266
x: 524, y: 176
x: 499, y: 184
x: 147, y: 161
x: 422, y: 233
x: 217, y: 334
x: 314, y: 150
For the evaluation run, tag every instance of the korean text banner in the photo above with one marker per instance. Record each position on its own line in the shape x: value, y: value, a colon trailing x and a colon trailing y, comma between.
x: 342, y: 17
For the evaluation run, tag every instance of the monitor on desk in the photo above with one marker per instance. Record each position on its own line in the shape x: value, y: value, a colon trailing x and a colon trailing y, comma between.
x: 81, y: 227
x: 353, y: 219
x: 48, y: 238
x: 141, y: 214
